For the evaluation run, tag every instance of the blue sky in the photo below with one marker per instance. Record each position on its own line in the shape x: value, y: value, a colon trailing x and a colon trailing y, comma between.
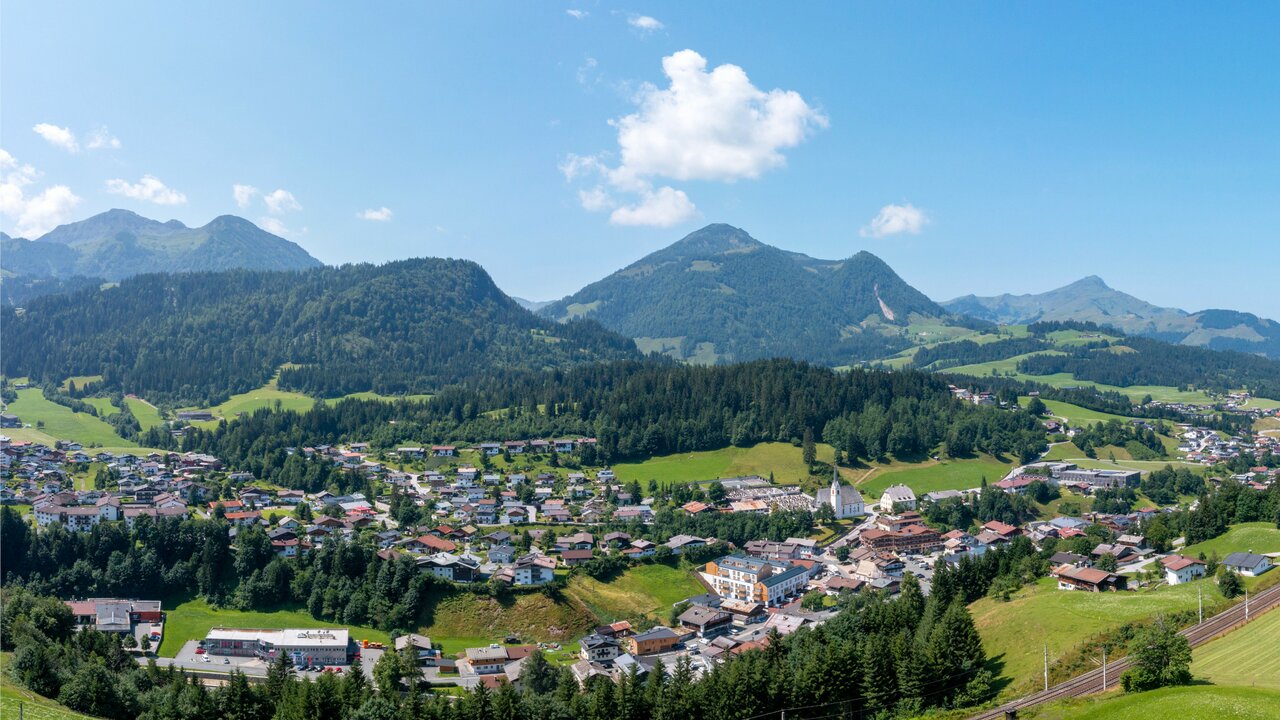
x: 1004, y: 146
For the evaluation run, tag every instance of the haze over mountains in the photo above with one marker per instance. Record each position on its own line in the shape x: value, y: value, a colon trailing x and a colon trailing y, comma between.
x: 118, y: 243
x: 1092, y: 300
x: 721, y: 295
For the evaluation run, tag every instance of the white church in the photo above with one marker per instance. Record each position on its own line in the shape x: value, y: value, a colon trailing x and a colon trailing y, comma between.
x: 845, y: 500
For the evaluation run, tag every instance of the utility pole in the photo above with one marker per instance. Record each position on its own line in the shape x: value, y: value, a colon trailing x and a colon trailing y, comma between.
x: 1200, y: 599
x: 1246, y: 603
x: 1104, y: 668
x: 1046, y: 664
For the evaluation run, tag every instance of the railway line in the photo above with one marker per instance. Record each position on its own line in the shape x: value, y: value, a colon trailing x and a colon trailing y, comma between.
x: 1092, y: 682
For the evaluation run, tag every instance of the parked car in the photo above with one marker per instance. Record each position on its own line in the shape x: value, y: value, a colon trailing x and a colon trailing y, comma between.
x: 199, y: 651
x: 226, y: 661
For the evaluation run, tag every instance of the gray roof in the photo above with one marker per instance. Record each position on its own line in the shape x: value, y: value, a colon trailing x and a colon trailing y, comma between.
x: 1239, y: 559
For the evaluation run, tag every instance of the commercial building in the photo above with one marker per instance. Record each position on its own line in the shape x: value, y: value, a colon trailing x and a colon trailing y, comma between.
x: 312, y: 646
x: 769, y: 582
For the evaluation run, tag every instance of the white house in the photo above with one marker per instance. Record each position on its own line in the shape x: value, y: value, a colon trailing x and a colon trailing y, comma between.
x: 899, y: 496
x: 1180, y: 569
x: 1248, y: 563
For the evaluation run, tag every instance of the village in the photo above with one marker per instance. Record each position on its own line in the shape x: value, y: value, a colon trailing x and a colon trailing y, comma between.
x: 526, y: 530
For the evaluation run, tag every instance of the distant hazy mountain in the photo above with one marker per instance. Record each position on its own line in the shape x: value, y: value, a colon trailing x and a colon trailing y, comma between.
x: 118, y: 244
x: 532, y: 305
x: 1090, y: 299
x: 721, y: 295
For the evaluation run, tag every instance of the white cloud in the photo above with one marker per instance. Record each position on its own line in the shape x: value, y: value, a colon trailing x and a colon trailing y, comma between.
x: 576, y: 14
x: 273, y: 226
x: 148, y: 189
x: 663, y: 207
x: 595, y: 199
x: 645, y: 23
x: 705, y: 125
x: 895, y: 219
x: 280, y: 201
x: 711, y: 125
x: 102, y: 139
x: 586, y: 71
x: 58, y: 136
x: 244, y: 195
x: 382, y: 214
x: 576, y: 166
x: 36, y: 215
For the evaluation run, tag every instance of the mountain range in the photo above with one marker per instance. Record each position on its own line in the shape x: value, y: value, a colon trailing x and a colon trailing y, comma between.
x: 721, y: 295
x: 1092, y: 300
x: 117, y: 244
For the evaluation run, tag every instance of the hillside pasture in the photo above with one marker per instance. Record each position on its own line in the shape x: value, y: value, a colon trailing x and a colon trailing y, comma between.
x: 642, y: 592
x: 1246, y: 656
x: 930, y: 475
x: 1257, y: 537
x: 1192, y: 702
x: 59, y: 422
x: 784, y: 460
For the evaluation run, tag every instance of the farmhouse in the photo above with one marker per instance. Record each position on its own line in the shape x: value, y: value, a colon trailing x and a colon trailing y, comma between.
x: 1070, y: 577
x: 1179, y: 569
x: 1247, y: 563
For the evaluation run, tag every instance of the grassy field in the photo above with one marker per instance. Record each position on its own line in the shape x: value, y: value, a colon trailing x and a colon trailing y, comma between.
x: 1009, y: 368
x: 193, y: 619
x: 1075, y: 414
x: 103, y: 406
x: 81, y: 381
x: 34, y: 707
x: 1193, y: 702
x: 147, y: 414
x: 60, y: 422
x: 784, y: 460
x: 461, y: 620
x: 642, y: 591
x: 1016, y: 631
x: 933, y: 475
x: 1247, y: 656
x: 1259, y: 537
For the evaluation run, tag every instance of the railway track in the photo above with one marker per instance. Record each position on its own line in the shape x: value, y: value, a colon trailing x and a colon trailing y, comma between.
x: 1092, y: 681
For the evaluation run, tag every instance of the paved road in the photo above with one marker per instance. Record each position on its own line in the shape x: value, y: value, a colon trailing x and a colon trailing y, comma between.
x: 1092, y: 681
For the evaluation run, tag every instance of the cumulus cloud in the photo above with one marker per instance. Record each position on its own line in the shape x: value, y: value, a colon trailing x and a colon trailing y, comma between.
x: 663, y: 207
x: 280, y: 201
x: 244, y: 195
x: 35, y: 215
x: 576, y: 14
x: 896, y: 219
x: 644, y: 23
x: 705, y: 125
x: 58, y: 136
x: 382, y: 214
x: 148, y: 189
x: 102, y: 139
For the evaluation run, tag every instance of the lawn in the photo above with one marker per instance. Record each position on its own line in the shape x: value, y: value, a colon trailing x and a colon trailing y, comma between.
x: 1258, y: 537
x: 34, y: 707
x: 1194, y: 702
x: 147, y: 414
x: 60, y: 422
x: 640, y: 592
x: 1075, y: 414
x: 933, y: 475
x: 193, y: 619
x: 784, y: 460
x: 1016, y: 631
x: 1247, y: 656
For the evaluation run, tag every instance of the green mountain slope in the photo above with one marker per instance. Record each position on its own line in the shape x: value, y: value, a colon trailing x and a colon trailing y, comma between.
x: 117, y: 244
x: 407, y: 326
x: 1091, y: 300
x: 721, y: 295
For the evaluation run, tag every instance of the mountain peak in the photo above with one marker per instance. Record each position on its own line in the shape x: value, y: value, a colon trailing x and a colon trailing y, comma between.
x: 714, y: 239
x: 1090, y: 281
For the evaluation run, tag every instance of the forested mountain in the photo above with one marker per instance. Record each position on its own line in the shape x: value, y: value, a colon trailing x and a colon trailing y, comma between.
x: 1091, y: 300
x: 406, y: 326
x: 1106, y: 356
x: 117, y: 244
x: 721, y: 295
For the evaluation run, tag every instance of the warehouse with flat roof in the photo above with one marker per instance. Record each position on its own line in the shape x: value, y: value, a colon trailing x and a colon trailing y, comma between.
x: 303, y: 646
